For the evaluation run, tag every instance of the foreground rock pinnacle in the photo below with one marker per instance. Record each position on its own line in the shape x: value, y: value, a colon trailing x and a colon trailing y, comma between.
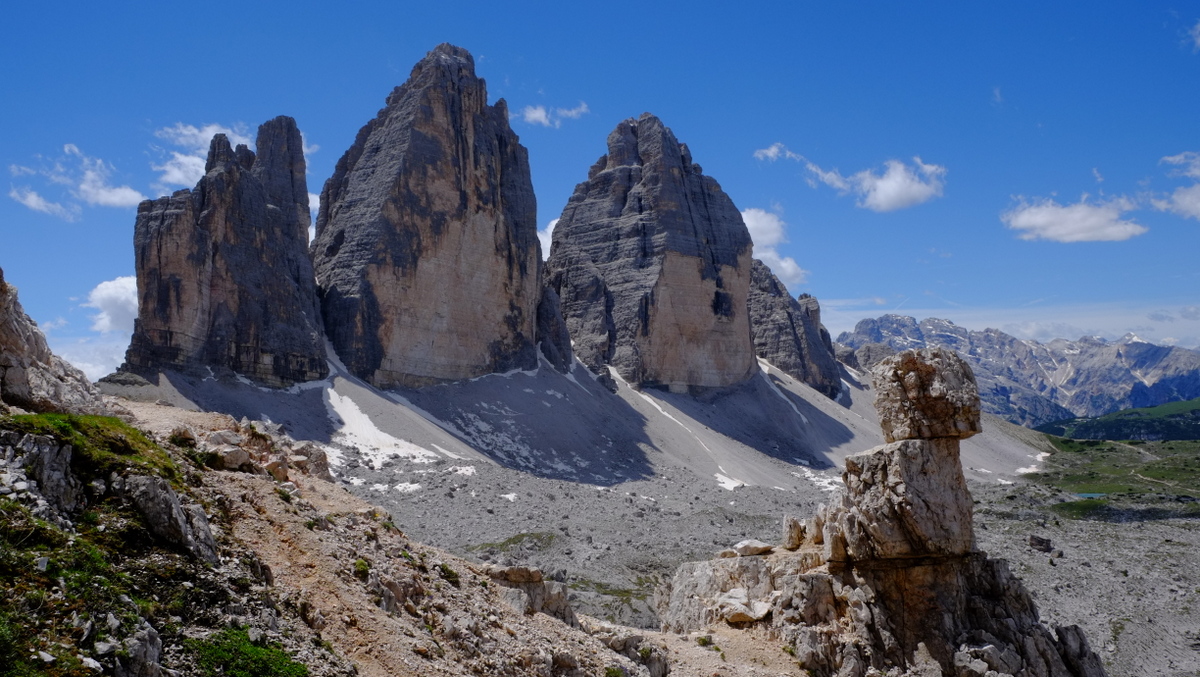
x: 652, y: 262
x: 223, y: 274
x: 888, y: 580
x: 426, y: 250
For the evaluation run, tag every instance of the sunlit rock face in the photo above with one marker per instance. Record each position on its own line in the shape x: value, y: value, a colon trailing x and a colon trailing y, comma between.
x: 652, y: 262
x: 223, y: 274
x: 426, y: 251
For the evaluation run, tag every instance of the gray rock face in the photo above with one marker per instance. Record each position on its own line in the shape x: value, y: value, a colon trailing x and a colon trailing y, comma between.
x: 652, y: 262
x: 184, y: 526
x: 224, y: 278
x: 426, y: 251
x: 888, y: 580
x: 787, y: 332
x: 32, y: 377
x: 1031, y: 383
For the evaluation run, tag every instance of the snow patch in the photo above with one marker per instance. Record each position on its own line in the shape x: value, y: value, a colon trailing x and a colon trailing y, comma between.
x: 1003, y: 481
x: 511, y: 498
x: 466, y: 470
x: 727, y: 482
x: 407, y: 487
x: 359, y: 431
x: 824, y: 482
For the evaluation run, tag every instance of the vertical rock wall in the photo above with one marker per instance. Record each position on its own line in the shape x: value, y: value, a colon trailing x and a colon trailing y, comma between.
x: 652, y: 262
x: 224, y: 279
x: 787, y: 332
x: 426, y: 250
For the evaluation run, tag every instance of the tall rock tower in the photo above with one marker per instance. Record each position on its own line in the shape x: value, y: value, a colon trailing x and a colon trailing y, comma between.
x: 651, y: 260
x: 223, y: 274
x: 426, y: 251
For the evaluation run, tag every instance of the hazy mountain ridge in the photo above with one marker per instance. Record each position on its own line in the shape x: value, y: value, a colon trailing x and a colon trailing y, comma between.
x: 1032, y: 383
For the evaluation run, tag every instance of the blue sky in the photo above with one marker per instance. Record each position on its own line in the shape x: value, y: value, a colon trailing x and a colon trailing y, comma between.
x: 1012, y: 165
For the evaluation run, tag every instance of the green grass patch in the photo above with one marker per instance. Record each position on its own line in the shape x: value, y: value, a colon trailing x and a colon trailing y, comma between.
x: 102, y: 444
x: 230, y: 653
x: 1146, y: 469
x: 1171, y: 421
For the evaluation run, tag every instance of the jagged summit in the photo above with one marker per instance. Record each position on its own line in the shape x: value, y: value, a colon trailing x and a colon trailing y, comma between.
x: 224, y: 278
x: 426, y: 250
x: 652, y: 262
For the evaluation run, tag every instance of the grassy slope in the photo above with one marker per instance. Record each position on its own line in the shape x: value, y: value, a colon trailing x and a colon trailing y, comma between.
x: 1171, y: 421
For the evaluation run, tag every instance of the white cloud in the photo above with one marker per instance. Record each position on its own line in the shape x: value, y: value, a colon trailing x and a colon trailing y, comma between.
x: 52, y: 325
x: 18, y: 170
x: 767, y: 231
x: 314, y: 207
x: 545, y: 236
x: 180, y: 170
x: 1190, y: 313
x: 572, y: 113
x: 536, y: 115
x: 1185, y: 200
x: 540, y: 115
x: 775, y: 151
x: 1194, y: 34
x: 118, y: 305
x: 37, y: 203
x: 94, y: 188
x: 997, y: 96
x: 306, y: 147
x: 1188, y: 160
x: 96, y: 357
x: 899, y: 185
x: 1096, y: 173
x: 1083, y: 221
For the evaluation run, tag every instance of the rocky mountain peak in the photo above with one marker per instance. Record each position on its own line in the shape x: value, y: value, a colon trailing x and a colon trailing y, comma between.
x: 224, y: 278
x: 426, y: 250
x: 787, y: 332
x: 652, y: 262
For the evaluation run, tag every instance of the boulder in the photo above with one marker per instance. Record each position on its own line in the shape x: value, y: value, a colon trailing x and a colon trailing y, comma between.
x: 651, y: 260
x: 926, y: 394
x: 32, y: 377
x: 224, y: 278
x: 426, y: 250
x: 788, y: 333
x: 168, y: 519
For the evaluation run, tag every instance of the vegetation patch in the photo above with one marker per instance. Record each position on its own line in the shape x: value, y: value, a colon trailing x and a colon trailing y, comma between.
x: 230, y: 653
x: 1139, y: 468
x: 1171, y: 421
x: 102, y: 444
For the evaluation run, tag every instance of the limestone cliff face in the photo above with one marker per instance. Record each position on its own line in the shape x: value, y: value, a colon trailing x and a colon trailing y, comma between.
x: 32, y: 377
x: 224, y: 278
x: 426, y: 251
x: 652, y: 262
x: 787, y: 332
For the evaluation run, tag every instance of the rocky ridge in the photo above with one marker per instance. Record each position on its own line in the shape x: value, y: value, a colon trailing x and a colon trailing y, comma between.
x: 788, y: 333
x: 1031, y: 383
x: 652, y: 262
x: 224, y: 278
x: 426, y: 249
x: 889, y: 580
x: 32, y: 377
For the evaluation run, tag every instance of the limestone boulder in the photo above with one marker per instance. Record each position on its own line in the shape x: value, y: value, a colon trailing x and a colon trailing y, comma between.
x: 926, y: 394
x: 225, y: 284
x: 31, y: 376
x: 788, y: 333
x: 651, y: 260
x: 426, y: 249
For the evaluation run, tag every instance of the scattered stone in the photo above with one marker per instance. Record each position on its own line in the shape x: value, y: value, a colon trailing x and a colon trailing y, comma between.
x: 751, y: 547
x: 1040, y: 544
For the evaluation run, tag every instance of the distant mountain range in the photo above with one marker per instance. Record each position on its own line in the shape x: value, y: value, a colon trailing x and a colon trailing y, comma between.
x: 1033, y: 383
x: 1172, y: 421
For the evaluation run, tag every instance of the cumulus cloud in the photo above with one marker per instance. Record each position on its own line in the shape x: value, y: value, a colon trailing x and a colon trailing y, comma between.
x: 545, y: 236
x: 767, y: 231
x: 898, y: 186
x: 1084, y: 221
x: 37, y: 203
x: 540, y: 115
x: 184, y: 168
x: 117, y: 302
x: 93, y: 186
x: 96, y: 357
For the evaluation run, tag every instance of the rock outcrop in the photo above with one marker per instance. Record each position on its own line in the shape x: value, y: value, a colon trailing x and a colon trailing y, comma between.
x: 888, y: 579
x: 426, y: 250
x: 787, y: 332
x: 223, y: 273
x: 32, y: 377
x: 652, y: 262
